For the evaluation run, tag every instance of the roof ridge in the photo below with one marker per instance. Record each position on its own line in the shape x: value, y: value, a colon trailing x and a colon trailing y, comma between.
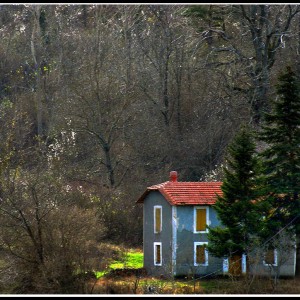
x: 187, y: 192
x: 185, y: 182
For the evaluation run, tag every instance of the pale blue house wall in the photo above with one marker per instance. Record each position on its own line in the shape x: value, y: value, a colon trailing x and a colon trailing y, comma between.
x: 185, y: 243
x: 165, y: 236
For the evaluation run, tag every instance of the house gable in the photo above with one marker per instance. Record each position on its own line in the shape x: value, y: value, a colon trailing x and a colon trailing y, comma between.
x: 157, y: 239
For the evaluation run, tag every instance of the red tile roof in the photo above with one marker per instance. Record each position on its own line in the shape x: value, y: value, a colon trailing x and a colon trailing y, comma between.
x: 186, y: 193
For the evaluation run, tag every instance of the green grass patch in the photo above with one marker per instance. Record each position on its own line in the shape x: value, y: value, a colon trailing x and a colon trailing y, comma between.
x: 129, y: 260
x: 100, y: 274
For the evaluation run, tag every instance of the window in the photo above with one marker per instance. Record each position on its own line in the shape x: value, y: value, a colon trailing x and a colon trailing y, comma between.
x: 157, y: 254
x: 200, y: 254
x: 157, y: 218
x: 200, y: 219
x: 270, y: 257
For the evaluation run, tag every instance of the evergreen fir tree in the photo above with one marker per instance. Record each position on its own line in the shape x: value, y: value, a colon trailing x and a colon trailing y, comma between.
x: 281, y: 158
x: 236, y: 208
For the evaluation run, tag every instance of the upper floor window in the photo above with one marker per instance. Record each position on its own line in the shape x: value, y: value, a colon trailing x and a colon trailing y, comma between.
x: 157, y: 218
x: 200, y: 254
x: 201, y: 218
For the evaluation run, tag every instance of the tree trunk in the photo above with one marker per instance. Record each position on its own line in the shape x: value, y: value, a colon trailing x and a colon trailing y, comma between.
x: 109, y: 165
x: 297, y: 272
x: 37, y: 94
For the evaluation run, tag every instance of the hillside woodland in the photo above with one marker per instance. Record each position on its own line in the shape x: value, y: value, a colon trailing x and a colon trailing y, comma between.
x: 97, y: 102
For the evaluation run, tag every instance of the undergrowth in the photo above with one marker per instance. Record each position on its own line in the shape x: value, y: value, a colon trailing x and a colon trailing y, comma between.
x: 110, y: 281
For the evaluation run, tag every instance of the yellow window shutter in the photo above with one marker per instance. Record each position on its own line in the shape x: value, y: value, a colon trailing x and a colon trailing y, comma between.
x: 158, y: 219
x: 201, y: 219
x: 270, y: 257
x: 200, y: 254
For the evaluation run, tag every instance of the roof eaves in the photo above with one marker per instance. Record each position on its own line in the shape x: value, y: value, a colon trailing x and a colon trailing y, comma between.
x: 142, y: 198
x: 157, y: 187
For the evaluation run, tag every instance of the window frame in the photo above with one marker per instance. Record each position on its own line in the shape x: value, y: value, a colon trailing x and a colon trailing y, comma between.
x: 155, y: 253
x: 205, y: 254
x: 275, y: 258
x: 154, y: 218
x: 195, y: 218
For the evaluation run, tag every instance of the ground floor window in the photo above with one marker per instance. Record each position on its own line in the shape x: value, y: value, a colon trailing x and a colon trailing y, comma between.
x: 200, y: 254
x: 270, y: 257
x: 157, y: 254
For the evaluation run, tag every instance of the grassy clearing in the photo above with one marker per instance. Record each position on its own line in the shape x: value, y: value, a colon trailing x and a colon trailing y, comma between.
x: 131, y: 260
x: 128, y: 259
x: 100, y: 274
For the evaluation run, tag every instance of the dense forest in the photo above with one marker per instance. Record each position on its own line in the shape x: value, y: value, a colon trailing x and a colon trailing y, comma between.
x: 97, y: 102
